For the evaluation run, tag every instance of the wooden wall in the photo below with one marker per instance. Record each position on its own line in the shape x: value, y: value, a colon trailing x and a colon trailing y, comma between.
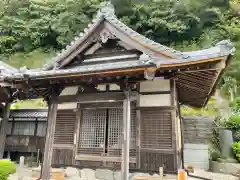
x: 64, y: 138
x: 22, y: 143
x: 80, y: 131
x: 154, y: 144
x: 156, y: 140
x: 157, y: 145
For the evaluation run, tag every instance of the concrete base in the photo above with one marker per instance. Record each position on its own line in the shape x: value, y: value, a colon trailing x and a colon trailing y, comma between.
x: 226, y: 168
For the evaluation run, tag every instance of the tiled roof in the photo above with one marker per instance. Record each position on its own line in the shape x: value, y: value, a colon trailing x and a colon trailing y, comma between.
x: 6, y: 70
x: 223, y: 48
x: 107, y: 13
x: 144, y: 61
x: 29, y: 113
x: 87, y: 68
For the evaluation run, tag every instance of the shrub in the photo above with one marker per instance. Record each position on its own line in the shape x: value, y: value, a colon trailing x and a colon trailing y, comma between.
x: 233, y: 122
x: 6, y: 168
x: 215, y: 155
x: 236, y: 150
x: 236, y: 135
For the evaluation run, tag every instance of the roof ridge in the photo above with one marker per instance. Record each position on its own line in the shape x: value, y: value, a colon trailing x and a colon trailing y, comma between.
x: 107, y: 8
x: 107, y: 12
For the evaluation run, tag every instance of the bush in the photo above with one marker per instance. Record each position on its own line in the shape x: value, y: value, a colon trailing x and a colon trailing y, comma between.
x: 236, y: 150
x: 215, y: 155
x: 234, y: 124
x: 6, y: 168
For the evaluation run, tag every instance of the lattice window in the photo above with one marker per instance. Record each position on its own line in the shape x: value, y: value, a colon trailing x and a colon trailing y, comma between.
x: 24, y: 128
x: 115, y: 124
x: 92, y: 130
x: 98, y: 125
x: 156, y: 129
x: 133, y: 129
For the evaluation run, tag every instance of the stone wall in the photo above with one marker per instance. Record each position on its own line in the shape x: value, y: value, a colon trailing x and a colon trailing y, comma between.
x: 197, y: 129
x: 197, y: 134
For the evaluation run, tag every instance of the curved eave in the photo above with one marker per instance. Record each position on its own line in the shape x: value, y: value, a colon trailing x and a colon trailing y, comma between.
x: 61, y: 73
x: 217, y: 80
x: 147, y: 46
x: 154, y: 47
x: 195, y: 89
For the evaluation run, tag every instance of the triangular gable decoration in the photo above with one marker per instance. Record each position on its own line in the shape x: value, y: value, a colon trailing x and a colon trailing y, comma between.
x: 113, y: 28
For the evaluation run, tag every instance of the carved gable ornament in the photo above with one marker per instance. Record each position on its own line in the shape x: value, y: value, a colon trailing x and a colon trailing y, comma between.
x: 104, y: 35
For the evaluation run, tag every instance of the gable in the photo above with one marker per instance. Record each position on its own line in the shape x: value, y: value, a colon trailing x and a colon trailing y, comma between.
x: 107, y: 27
x: 111, y: 46
x: 97, y: 52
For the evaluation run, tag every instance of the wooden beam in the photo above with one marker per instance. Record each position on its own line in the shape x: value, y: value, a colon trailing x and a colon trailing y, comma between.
x: 48, y: 151
x: 92, y: 97
x: 126, y: 135
x: 6, y: 112
x: 93, y: 48
x: 212, y: 87
x: 84, y: 157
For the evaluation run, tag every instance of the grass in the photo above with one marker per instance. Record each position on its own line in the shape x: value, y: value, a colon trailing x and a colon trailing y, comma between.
x: 6, y: 168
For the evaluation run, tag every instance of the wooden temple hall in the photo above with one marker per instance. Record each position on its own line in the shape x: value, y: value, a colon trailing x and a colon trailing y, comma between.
x: 113, y: 97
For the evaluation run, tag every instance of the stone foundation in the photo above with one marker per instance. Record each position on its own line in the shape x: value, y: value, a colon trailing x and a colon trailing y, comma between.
x: 226, y: 168
x: 90, y: 174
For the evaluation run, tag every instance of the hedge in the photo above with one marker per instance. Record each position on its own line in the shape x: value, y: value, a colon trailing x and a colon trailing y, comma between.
x: 6, y: 168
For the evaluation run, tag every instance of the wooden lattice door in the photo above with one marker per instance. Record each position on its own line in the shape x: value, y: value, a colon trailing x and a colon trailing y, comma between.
x: 115, y: 124
x: 92, y: 132
x: 100, y: 133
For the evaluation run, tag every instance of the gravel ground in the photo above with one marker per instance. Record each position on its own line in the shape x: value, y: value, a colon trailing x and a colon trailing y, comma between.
x: 102, y: 174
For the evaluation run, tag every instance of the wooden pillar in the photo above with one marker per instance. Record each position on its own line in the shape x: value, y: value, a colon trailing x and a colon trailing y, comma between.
x: 6, y: 112
x: 76, y: 133
x: 126, y: 136
x: 48, y: 150
x: 175, y: 133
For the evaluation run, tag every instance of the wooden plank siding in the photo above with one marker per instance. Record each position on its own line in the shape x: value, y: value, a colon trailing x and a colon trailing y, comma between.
x: 23, y: 143
x: 156, y: 147
x: 65, y: 127
x: 62, y: 157
x: 64, y: 138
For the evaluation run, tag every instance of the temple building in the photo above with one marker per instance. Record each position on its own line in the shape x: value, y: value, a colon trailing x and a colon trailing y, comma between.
x: 114, y: 96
